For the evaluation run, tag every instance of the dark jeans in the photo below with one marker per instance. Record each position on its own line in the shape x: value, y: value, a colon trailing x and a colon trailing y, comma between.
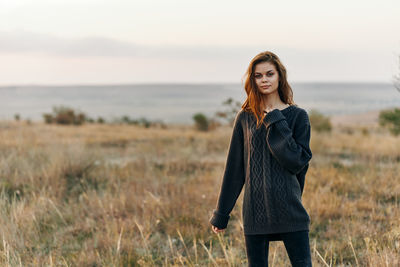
x: 296, y: 243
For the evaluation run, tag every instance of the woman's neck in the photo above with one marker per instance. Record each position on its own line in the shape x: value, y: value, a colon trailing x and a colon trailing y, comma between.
x: 272, y: 101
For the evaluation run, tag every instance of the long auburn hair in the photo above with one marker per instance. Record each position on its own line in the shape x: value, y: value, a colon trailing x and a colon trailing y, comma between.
x: 253, y: 101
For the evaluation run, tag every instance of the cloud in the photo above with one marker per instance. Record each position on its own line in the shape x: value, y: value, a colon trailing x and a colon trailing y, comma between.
x: 28, y: 42
x: 48, y: 53
x: 98, y: 46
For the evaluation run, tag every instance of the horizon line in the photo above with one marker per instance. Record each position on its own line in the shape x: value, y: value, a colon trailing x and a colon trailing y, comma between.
x: 177, y: 83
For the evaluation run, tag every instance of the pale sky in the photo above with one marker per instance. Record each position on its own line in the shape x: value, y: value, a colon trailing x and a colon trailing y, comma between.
x: 156, y: 41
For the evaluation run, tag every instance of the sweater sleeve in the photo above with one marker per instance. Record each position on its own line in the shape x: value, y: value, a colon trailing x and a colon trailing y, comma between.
x: 291, y: 149
x: 301, y: 177
x: 233, y: 178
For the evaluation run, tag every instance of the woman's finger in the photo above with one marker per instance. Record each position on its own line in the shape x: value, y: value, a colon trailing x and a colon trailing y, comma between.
x: 216, y: 229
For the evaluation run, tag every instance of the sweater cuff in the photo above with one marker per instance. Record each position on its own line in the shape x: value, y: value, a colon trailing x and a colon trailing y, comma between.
x: 219, y: 220
x: 273, y: 116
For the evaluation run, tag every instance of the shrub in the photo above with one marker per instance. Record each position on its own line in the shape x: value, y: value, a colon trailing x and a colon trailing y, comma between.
x: 319, y: 122
x: 100, y: 120
x: 64, y: 115
x: 390, y: 119
x: 48, y: 118
x: 127, y: 120
x: 142, y: 121
x: 229, y: 114
x: 201, y: 121
x: 396, y: 79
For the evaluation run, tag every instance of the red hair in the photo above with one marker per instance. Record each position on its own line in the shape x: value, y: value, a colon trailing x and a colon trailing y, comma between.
x: 253, y: 101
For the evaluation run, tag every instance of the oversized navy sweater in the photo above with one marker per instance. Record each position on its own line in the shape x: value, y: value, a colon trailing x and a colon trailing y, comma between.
x: 271, y: 163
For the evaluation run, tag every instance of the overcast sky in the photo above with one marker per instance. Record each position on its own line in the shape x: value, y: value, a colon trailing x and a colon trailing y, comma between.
x: 154, y: 41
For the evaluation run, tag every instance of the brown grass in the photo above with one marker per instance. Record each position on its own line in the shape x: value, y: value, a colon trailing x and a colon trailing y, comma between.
x: 118, y: 195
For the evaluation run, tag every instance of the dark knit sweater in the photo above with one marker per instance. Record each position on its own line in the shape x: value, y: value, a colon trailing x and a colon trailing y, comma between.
x: 271, y: 162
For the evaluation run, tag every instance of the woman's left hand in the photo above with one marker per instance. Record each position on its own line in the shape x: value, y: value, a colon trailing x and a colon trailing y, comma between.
x: 216, y: 229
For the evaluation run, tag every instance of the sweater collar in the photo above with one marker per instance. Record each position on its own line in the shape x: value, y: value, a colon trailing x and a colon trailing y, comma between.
x: 287, y: 109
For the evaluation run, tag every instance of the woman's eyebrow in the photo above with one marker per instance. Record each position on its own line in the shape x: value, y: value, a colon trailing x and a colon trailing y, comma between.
x: 266, y: 72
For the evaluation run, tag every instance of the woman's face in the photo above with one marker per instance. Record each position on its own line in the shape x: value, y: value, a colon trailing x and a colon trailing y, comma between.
x: 266, y: 77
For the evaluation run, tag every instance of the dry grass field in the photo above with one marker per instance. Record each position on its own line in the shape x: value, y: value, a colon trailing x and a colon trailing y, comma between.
x: 109, y: 195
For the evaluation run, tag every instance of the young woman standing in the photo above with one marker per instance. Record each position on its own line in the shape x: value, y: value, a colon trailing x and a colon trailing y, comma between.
x: 269, y: 155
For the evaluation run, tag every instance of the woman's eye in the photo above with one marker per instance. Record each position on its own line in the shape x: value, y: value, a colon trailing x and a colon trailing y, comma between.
x: 270, y: 74
x: 257, y: 76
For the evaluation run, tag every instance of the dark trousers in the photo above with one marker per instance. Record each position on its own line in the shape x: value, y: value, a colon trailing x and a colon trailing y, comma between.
x: 296, y: 243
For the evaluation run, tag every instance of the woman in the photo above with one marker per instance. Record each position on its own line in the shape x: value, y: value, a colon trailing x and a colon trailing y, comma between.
x: 269, y: 153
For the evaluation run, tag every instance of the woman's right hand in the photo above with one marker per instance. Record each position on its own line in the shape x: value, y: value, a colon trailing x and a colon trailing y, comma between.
x: 216, y: 229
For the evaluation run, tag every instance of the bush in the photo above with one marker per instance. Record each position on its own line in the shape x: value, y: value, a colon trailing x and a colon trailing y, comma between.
x: 201, y: 121
x: 64, y: 115
x: 48, y: 118
x: 391, y: 120
x: 396, y: 79
x: 100, y: 120
x: 125, y: 119
x: 142, y: 121
x: 319, y: 122
x: 229, y: 114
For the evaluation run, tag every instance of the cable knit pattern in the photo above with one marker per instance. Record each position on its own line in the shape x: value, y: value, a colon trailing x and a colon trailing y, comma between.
x: 256, y: 171
x: 271, y: 163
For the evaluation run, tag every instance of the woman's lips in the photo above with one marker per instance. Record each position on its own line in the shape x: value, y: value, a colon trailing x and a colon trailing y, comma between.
x: 266, y: 86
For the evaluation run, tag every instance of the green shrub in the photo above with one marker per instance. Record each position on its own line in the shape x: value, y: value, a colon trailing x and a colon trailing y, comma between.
x: 127, y: 120
x: 48, y: 118
x: 146, y: 123
x: 390, y: 119
x: 100, y: 120
x: 17, y: 117
x: 319, y: 122
x: 142, y: 121
x: 201, y: 121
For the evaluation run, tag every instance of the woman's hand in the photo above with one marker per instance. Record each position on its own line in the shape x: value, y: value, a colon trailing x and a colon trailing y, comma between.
x: 216, y: 229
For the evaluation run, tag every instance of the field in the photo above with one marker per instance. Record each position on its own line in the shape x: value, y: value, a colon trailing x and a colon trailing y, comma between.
x: 123, y: 195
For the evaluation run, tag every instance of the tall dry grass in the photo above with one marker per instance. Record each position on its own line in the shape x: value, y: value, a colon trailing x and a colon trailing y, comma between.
x: 102, y: 195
